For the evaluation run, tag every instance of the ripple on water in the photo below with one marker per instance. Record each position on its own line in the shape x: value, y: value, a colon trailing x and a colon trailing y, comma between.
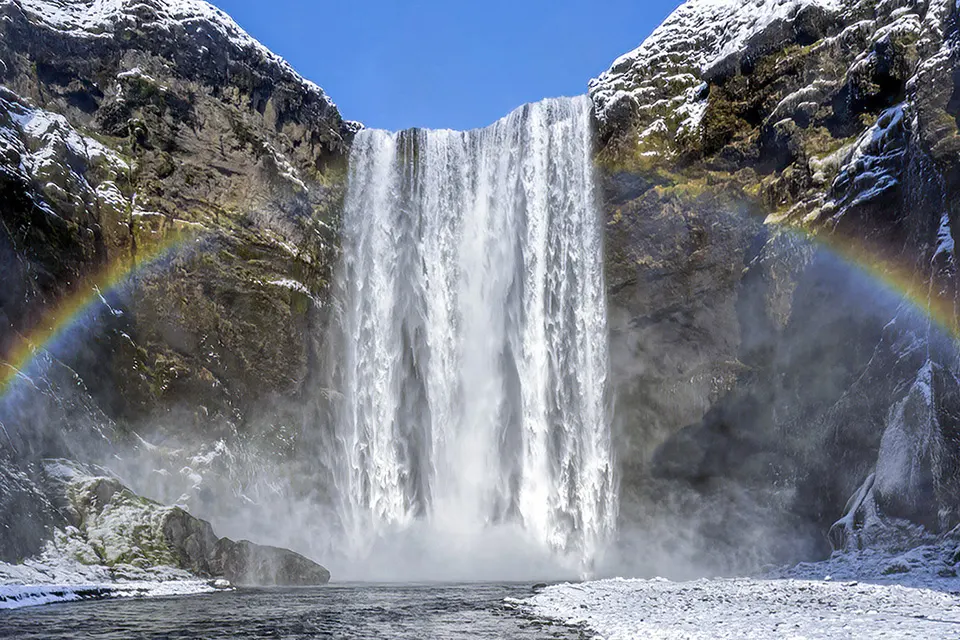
x: 360, y: 612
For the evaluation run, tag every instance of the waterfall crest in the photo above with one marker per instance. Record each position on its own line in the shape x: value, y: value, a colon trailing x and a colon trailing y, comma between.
x: 473, y: 356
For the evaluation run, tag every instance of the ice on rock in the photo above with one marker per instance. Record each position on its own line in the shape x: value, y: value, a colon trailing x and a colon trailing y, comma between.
x: 893, y: 509
x: 945, y: 242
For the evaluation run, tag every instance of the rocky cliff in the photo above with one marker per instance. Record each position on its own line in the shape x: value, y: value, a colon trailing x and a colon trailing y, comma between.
x: 110, y: 534
x: 128, y: 121
x: 127, y: 128
x: 772, y: 170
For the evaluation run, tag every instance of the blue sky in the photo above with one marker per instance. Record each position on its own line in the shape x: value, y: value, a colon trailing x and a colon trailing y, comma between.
x: 460, y: 64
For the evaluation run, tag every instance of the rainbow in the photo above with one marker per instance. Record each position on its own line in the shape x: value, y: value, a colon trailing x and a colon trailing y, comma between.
x: 75, y: 305
x: 906, y: 282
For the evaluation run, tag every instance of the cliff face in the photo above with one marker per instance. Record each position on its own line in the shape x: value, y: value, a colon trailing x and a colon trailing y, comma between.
x: 170, y: 119
x: 124, y: 125
x: 771, y: 170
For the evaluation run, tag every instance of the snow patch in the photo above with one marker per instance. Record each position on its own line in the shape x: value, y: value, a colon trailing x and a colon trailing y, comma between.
x: 137, y: 73
x: 747, y: 608
x: 292, y: 285
x: 18, y: 596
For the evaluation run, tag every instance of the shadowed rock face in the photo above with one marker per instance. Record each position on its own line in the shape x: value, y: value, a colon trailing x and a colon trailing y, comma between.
x: 27, y: 514
x: 760, y: 378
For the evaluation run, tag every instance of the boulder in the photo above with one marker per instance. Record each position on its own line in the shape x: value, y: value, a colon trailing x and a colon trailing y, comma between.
x: 246, y: 563
x: 111, y: 526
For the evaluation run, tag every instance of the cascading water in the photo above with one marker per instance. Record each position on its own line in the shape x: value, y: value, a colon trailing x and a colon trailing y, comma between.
x: 473, y: 356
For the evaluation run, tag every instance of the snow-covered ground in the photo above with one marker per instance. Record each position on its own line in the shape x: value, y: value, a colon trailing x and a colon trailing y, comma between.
x: 16, y: 596
x: 868, y: 594
x: 56, y: 578
x: 620, y: 609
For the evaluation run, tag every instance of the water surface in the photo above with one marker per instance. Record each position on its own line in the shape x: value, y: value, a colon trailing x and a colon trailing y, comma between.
x: 367, y: 612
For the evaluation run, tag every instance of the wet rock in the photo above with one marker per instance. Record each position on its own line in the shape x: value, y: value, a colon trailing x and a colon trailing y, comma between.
x: 193, y: 540
x: 245, y: 563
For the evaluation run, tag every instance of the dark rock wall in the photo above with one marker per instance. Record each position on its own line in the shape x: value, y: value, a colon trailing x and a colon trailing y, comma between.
x: 760, y: 357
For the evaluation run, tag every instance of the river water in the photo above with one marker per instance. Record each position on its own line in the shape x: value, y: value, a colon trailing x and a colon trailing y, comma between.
x: 361, y: 612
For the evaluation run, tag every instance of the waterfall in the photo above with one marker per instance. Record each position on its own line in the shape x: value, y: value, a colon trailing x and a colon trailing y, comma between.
x: 473, y: 356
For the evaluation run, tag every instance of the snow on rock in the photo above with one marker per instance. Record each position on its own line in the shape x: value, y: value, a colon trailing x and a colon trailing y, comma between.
x: 18, y: 596
x: 867, y: 169
x: 870, y: 170
x: 913, y: 481
x: 51, y: 130
x: 912, y: 490
x: 73, y: 174
x: 292, y: 285
x: 43, y: 149
x: 662, y: 78
x: 928, y: 566
x: 909, y: 441
x: 945, y: 243
x: 101, y: 18
x: 745, y: 608
x: 297, y: 287
x: 60, y: 574
x: 116, y: 533
x: 120, y: 551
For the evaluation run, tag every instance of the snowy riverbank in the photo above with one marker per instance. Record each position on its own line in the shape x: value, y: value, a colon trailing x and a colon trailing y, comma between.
x: 619, y: 609
x: 17, y: 596
x: 867, y: 594
x: 52, y: 579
